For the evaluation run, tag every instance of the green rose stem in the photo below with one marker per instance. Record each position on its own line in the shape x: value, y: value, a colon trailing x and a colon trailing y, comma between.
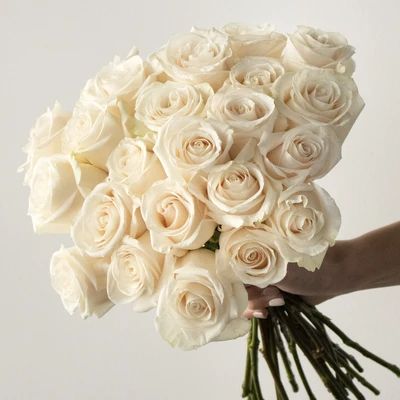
x: 254, y: 361
x: 316, y: 315
x: 323, y: 348
x: 292, y: 348
x: 269, y: 351
x: 246, y: 383
x: 302, y: 325
x: 285, y: 358
x: 314, y: 354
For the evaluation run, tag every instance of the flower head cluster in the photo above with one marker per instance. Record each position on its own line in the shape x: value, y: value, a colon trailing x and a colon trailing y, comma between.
x: 219, y: 134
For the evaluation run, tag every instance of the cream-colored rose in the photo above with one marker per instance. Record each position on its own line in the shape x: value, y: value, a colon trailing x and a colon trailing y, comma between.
x: 248, y: 112
x: 255, y: 40
x: 309, y: 221
x: 58, y: 187
x: 197, y: 306
x: 158, y: 102
x: 237, y: 194
x: 299, y: 155
x: 92, y: 134
x: 80, y: 281
x: 44, y: 138
x: 196, y: 57
x: 176, y: 220
x: 121, y: 79
x: 316, y: 48
x: 135, y: 274
x: 107, y: 215
x: 319, y: 96
x: 134, y: 165
x: 257, y: 73
x: 251, y: 255
x: 283, y: 124
x: 186, y: 145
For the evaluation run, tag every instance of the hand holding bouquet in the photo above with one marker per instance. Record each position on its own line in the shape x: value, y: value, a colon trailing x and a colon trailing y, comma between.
x: 184, y: 177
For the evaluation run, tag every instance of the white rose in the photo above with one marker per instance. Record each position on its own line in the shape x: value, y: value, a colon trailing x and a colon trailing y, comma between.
x: 196, y: 57
x: 107, y: 215
x: 58, y: 187
x: 255, y: 40
x: 134, y: 165
x: 316, y: 48
x: 283, y: 124
x: 158, y: 102
x: 91, y: 134
x: 248, y: 112
x: 236, y: 194
x: 119, y: 80
x: 175, y: 219
x: 45, y: 138
x: 309, y: 221
x: 186, y: 145
x: 197, y: 306
x: 299, y: 155
x: 320, y: 97
x: 80, y: 281
x: 251, y: 256
x: 257, y: 73
x: 135, y: 273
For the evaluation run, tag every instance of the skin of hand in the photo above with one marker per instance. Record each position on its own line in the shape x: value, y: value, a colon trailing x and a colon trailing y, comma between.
x: 369, y: 261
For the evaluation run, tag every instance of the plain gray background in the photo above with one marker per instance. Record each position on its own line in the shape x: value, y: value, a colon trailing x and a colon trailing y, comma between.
x: 48, y: 50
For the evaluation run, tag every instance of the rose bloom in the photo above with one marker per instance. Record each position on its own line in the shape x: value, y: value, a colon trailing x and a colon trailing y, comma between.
x: 196, y: 57
x: 159, y: 102
x: 257, y: 73
x: 92, y: 133
x: 320, y: 97
x: 299, y: 155
x: 134, y: 165
x: 251, y: 255
x: 121, y: 79
x: 309, y: 221
x: 255, y: 40
x: 248, y: 112
x: 44, y: 138
x: 58, y: 186
x: 80, y: 281
x: 107, y: 215
x: 316, y: 48
x: 186, y: 145
x: 176, y: 219
x: 197, y: 306
x: 236, y: 194
x: 135, y: 274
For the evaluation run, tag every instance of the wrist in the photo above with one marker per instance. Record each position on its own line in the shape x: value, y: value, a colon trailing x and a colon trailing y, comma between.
x: 338, y: 269
x: 353, y: 275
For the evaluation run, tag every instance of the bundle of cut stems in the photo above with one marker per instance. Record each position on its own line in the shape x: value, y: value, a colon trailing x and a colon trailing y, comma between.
x: 298, y: 326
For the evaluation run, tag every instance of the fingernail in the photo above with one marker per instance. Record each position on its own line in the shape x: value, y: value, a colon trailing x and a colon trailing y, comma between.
x: 277, y: 302
x: 259, y: 314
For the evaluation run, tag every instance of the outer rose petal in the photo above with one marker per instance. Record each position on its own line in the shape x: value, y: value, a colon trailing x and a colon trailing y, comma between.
x: 135, y: 274
x: 194, y: 287
x: 305, y: 200
x: 80, y: 281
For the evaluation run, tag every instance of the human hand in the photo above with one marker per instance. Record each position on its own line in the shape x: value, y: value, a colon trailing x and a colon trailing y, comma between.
x: 369, y: 261
x: 314, y: 287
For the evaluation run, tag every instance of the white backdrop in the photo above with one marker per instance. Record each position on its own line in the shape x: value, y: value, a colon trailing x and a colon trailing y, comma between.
x: 48, y: 50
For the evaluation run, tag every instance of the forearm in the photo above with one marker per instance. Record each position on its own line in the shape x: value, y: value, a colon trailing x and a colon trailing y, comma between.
x: 369, y: 261
x: 373, y: 259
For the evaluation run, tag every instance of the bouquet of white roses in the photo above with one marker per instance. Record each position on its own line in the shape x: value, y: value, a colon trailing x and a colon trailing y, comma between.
x: 186, y: 176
